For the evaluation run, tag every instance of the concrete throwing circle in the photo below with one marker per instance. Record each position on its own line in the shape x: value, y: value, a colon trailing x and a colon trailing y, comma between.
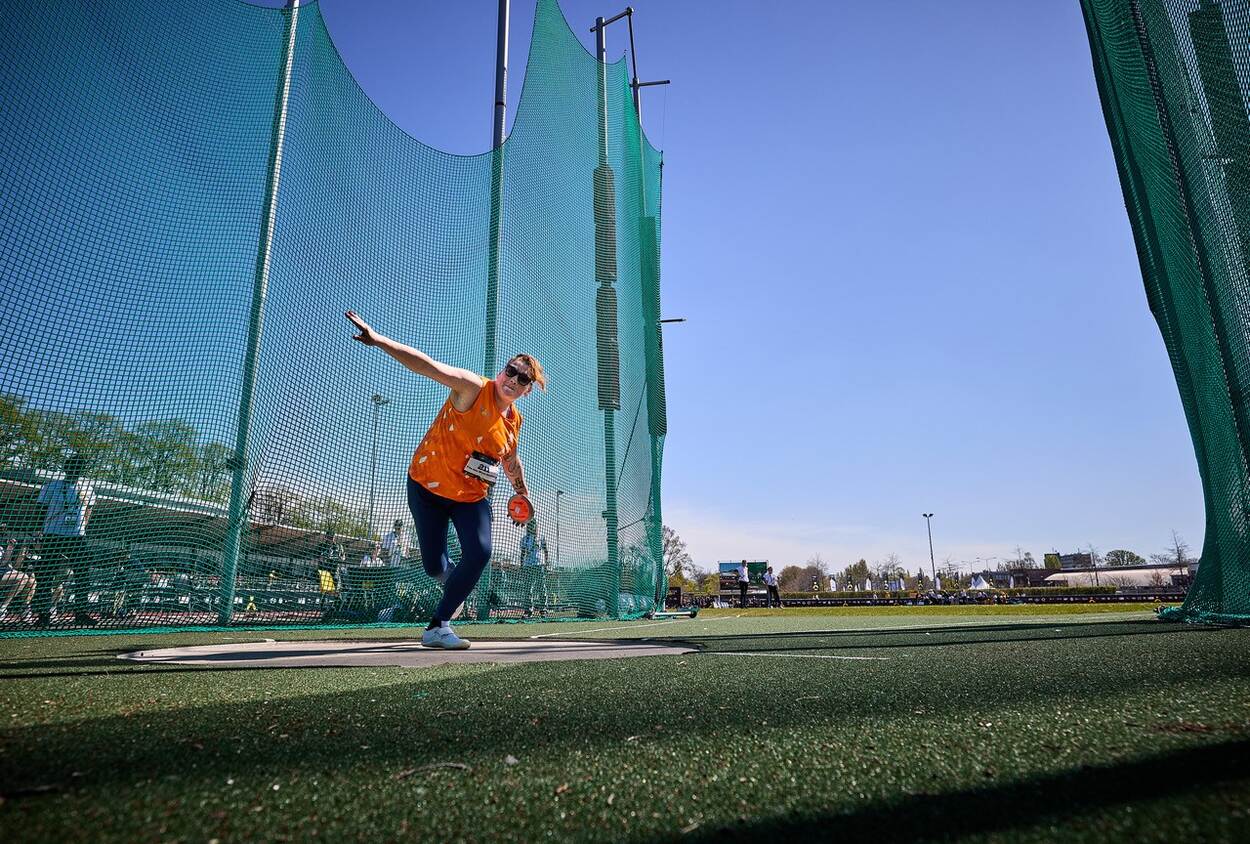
x: 270, y: 654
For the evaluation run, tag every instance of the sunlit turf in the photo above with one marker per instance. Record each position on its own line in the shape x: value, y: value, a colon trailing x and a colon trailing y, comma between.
x: 1094, y: 726
x: 946, y: 610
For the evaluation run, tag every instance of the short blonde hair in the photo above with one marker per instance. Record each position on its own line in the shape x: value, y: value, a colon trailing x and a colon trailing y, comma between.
x: 536, y: 368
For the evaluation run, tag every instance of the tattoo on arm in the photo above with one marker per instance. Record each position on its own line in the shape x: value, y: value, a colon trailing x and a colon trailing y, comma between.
x: 516, y: 472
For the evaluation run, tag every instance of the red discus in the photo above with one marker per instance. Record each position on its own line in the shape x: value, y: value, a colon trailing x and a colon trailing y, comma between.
x: 519, y: 509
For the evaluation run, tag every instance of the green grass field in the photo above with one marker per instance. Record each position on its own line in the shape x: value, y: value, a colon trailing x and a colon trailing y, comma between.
x: 1076, y: 723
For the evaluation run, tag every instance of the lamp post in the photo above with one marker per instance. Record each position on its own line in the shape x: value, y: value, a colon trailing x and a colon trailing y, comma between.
x: 932, y: 565
x: 559, y: 492
x: 378, y: 403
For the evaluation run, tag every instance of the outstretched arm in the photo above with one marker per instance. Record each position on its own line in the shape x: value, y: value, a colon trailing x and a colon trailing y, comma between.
x: 463, y: 383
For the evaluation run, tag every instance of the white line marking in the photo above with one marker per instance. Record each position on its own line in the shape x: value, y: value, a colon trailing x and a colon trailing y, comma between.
x: 967, y: 625
x: 625, y: 627
x: 601, y: 629
x: 919, y: 627
x: 793, y: 656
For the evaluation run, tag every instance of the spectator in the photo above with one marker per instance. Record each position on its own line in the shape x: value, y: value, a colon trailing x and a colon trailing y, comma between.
x: 395, y: 544
x: 69, y: 503
x: 14, y: 582
x: 332, y: 554
x: 132, y: 579
x: 743, y: 581
x: 373, y: 559
x: 533, y: 570
x: 770, y: 580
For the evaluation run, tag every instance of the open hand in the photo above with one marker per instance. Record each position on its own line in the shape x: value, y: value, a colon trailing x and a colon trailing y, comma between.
x: 367, y: 335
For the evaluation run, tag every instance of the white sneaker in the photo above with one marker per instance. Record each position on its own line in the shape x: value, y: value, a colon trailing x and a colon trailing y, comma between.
x: 440, y: 637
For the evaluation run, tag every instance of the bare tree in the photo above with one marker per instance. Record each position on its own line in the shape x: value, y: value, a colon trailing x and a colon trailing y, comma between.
x: 1177, y: 556
x: 1022, y: 560
x: 1094, y: 559
x: 676, y: 558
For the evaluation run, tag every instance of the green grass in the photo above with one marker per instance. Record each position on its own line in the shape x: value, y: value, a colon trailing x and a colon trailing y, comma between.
x: 1025, y: 726
x: 945, y: 610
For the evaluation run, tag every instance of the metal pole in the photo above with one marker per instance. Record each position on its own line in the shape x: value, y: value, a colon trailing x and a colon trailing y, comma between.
x: 633, y: 66
x: 606, y: 321
x: 501, y: 73
x: 559, y: 492
x: 932, y: 565
x: 606, y: 309
x: 601, y: 52
x: 373, y: 465
x: 378, y: 403
x: 237, y: 515
x: 490, y: 353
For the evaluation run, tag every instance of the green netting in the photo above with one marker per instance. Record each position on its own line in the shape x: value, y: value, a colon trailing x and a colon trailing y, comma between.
x: 1173, y: 77
x: 143, y: 246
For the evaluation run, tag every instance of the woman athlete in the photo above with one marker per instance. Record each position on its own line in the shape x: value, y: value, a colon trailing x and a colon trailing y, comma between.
x: 455, y: 465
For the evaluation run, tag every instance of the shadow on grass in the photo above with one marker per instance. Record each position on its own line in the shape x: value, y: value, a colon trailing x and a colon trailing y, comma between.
x: 324, y: 719
x: 1020, y: 804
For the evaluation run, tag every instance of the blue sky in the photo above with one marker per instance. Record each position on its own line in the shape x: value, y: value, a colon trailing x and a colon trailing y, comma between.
x: 898, y: 237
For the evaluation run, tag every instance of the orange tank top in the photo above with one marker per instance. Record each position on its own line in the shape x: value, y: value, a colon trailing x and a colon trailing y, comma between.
x: 438, y: 463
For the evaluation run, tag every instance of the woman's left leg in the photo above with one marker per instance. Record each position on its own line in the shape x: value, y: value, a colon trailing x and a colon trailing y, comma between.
x: 472, y: 522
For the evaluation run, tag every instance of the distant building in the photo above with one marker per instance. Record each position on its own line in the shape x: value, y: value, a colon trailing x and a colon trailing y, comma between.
x: 1056, y: 560
x: 1135, y: 577
x: 1021, y: 578
x: 1075, y: 561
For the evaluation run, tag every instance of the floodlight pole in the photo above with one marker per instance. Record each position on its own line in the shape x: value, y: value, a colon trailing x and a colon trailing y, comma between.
x: 237, y: 516
x: 932, y: 565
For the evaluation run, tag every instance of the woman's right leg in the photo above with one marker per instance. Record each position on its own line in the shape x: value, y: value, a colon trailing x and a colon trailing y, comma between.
x: 472, y: 521
x: 431, y: 518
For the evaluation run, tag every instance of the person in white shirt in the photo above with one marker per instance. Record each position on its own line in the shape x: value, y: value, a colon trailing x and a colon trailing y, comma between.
x: 743, y: 581
x: 14, y: 582
x: 770, y: 580
x: 395, y: 545
x: 69, y: 503
x: 534, y: 570
x: 374, y: 558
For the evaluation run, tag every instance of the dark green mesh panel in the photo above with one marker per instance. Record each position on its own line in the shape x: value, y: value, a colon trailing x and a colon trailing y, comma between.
x: 136, y: 156
x: 1173, y: 77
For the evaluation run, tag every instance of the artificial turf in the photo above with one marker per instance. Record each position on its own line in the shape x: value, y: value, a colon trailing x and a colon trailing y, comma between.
x: 974, y: 726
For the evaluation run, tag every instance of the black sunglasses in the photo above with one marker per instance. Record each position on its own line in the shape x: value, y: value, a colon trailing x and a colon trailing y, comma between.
x: 522, y: 378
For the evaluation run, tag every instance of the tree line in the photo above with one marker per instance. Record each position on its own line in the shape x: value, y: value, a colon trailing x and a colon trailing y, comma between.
x: 800, y: 578
x: 165, y: 455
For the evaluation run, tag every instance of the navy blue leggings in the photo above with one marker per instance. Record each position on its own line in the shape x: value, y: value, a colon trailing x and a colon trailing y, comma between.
x: 472, y: 520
